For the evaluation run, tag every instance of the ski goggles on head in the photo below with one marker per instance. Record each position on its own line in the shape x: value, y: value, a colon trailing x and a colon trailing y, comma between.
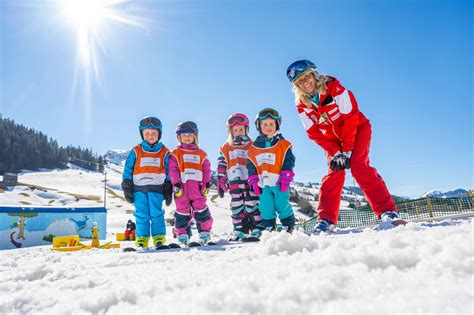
x: 237, y: 120
x: 150, y: 122
x: 268, y: 112
x: 297, y: 68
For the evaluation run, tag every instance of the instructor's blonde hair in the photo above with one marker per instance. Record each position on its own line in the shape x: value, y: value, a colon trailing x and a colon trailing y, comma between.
x: 319, y: 87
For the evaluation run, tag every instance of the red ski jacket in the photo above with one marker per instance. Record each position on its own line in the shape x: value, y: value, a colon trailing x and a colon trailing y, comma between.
x: 333, y: 122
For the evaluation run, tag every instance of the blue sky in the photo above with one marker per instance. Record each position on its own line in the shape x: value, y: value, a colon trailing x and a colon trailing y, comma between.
x: 409, y: 64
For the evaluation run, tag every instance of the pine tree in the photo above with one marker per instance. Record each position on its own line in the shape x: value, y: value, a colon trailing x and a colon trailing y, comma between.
x: 26, y: 148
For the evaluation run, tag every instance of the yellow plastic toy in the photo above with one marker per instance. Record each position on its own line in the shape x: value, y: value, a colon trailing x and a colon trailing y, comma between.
x: 95, y: 236
x: 72, y: 242
x: 67, y: 243
x: 120, y: 237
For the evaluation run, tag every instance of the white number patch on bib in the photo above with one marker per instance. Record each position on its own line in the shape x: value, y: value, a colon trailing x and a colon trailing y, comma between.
x: 191, y: 174
x: 266, y: 158
x: 148, y: 161
x: 191, y: 158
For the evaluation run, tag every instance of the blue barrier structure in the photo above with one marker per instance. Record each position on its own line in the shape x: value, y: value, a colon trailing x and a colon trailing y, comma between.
x: 34, y: 226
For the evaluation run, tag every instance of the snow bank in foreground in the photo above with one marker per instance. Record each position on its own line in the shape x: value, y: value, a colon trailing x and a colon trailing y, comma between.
x: 412, y: 269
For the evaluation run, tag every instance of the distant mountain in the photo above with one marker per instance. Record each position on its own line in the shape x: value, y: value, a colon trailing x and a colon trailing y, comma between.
x: 116, y: 156
x: 348, y: 190
x: 354, y: 190
x: 453, y: 193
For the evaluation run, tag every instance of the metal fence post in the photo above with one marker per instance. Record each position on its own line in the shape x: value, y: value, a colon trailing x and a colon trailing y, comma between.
x: 430, y: 206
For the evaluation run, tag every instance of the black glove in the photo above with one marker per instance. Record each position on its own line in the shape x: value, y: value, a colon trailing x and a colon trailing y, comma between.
x: 346, y: 160
x: 168, y: 192
x: 336, y: 162
x: 127, y: 187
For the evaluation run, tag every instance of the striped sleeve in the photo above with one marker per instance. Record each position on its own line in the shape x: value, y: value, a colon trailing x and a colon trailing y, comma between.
x: 221, y: 166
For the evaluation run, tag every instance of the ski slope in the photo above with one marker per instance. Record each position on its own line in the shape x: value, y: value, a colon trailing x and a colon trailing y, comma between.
x: 419, y: 268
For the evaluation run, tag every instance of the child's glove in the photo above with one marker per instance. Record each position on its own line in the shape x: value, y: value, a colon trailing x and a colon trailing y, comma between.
x: 205, y: 188
x: 178, y: 190
x: 285, y: 179
x: 127, y: 187
x: 253, y: 182
x: 168, y: 192
x: 222, y: 183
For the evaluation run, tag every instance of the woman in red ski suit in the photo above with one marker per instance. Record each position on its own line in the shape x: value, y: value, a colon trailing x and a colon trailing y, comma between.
x: 332, y: 119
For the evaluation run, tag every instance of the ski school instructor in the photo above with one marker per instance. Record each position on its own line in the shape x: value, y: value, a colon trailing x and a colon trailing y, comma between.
x: 332, y: 119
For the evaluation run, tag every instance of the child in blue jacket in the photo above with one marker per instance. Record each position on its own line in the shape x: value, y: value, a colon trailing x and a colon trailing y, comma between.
x: 146, y: 183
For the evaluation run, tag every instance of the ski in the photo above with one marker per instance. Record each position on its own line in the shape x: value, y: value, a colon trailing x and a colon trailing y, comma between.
x: 250, y: 239
x: 129, y: 249
x: 135, y: 249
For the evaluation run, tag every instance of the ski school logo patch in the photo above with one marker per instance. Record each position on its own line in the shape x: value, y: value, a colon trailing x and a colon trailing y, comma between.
x: 191, y: 158
x: 323, y: 119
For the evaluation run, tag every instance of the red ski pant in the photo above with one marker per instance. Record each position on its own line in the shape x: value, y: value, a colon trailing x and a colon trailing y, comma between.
x: 367, y: 177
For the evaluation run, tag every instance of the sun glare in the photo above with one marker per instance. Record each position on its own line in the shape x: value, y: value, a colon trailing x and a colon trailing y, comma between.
x: 88, y: 18
x: 84, y: 13
x: 92, y: 23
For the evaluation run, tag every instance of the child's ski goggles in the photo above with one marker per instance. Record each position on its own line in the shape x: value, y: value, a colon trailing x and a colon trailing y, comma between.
x: 269, y: 112
x: 150, y: 123
x: 237, y: 119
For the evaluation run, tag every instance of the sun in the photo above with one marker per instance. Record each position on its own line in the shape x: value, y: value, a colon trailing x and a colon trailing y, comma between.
x: 84, y: 13
x: 92, y: 23
x: 88, y: 19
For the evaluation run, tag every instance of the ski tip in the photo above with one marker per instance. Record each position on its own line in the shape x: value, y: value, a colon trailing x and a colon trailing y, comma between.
x: 399, y: 222
x: 194, y: 244
x: 250, y: 239
x: 129, y: 249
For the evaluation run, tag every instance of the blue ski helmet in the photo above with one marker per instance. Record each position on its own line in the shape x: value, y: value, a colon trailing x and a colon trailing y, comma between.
x: 265, y: 113
x: 187, y: 127
x: 150, y: 122
x: 297, y: 68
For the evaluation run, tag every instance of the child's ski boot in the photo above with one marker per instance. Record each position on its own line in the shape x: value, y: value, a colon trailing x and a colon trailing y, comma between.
x: 254, y: 236
x: 183, y: 239
x: 237, y: 236
x: 204, y: 238
x: 159, y: 241
x: 288, y: 229
x: 141, y: 243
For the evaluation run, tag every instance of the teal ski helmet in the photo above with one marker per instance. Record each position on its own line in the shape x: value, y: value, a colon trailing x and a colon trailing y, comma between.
x: 150, y: 122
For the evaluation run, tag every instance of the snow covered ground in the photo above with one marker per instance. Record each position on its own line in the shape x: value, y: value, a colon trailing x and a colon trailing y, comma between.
x: 419, y: 268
